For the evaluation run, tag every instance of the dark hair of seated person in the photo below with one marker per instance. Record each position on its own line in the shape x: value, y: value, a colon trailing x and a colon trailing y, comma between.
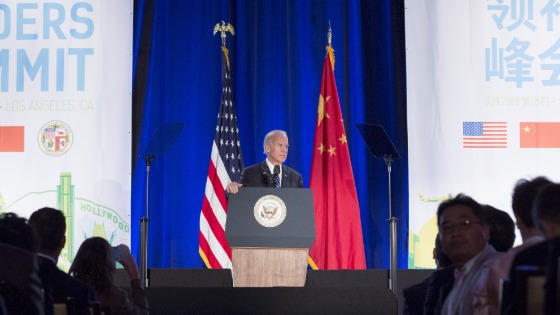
x: 20, y: 286
x: 502, y: 228
x: 15, y: 231
x: 94, y: 263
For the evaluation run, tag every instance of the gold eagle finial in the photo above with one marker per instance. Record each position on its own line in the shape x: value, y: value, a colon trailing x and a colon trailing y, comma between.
x: 223, y: 28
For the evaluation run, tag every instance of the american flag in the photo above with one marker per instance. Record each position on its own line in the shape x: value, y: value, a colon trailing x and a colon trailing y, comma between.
x: 484, y: 134
x: 226, y: 163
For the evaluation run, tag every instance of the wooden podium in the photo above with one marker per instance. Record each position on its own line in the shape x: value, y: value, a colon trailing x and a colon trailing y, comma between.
x: 270, y: 231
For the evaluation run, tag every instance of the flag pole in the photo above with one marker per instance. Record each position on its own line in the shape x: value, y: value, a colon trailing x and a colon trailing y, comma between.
x: 144, y: 228
x: 226, y: 163
x: 329, y: 48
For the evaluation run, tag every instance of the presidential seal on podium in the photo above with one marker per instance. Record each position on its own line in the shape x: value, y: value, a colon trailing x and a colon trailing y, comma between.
x: 270, y: 211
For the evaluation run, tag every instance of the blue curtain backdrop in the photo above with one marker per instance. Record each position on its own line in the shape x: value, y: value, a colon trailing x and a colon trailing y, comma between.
x: 276, y: 58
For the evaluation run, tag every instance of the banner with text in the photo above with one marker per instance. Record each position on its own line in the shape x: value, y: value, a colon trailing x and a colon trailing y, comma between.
x: 65, y: 114
x: 483, y: 80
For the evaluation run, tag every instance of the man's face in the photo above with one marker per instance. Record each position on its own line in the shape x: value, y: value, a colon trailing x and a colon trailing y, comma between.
x: 277, y: 149
x: 462, y: 235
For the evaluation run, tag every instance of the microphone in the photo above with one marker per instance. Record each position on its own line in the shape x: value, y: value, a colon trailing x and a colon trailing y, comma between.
x: 276, y: 170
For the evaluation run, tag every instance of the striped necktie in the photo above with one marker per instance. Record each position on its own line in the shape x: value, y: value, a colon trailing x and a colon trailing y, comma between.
x: 276, y: 176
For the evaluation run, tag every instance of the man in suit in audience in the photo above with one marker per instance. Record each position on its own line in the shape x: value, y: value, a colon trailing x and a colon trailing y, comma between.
x: 543, y: 255
x: 415, y: 295
x: 487, y: 287
x: 20, y: 285
x: 523, y: 198
x: 465, y: 236
x: 50, y: 226
x: 440, y: 284
x: 532, y: 255
x: 486, y: 297
x: 263, y: 174
x: 502, y: 237
x: 546, y: 212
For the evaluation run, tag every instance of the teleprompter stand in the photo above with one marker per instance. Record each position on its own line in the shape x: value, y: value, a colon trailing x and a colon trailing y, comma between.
x: 162, y: 139
x: 380, y: 146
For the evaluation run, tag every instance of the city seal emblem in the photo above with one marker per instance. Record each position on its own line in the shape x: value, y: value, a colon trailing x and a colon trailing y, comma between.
x: 55, y: 138
x: 270, y: 211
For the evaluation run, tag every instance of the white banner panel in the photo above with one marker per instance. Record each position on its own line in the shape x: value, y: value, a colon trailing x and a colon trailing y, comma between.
x: 483, y: 81
x: 65, y: 114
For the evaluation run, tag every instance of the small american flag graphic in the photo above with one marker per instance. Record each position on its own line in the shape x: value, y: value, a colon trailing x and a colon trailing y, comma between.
x: 484, y: 134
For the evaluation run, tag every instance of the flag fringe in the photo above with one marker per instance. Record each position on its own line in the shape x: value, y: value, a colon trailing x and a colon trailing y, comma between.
x: 226, y: 51
x: 330, y: 51
x: 204, y: 258
x: 312, y: 263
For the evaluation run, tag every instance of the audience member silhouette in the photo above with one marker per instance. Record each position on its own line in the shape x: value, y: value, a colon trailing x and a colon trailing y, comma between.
x: 15, y: 231
x: 441, y: 259
x: 486, y: 291
x: 50, y: 226
x: 3, y: 310
x: 440, y: 282
x: 546, y: 213
x: 502, y: 228
x: 523, y: 199
x: 95, y: 264
x: 20, y: 286
x: 415, y: 295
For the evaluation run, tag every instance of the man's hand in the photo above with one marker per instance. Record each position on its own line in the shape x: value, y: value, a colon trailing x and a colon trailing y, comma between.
x: 233, y: 187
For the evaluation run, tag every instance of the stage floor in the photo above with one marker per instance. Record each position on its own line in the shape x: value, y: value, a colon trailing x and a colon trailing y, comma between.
x: 211, y: 291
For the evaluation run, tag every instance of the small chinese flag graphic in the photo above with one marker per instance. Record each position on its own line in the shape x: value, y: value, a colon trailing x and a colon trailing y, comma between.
x: 539, y: 134
x: 11, y: 138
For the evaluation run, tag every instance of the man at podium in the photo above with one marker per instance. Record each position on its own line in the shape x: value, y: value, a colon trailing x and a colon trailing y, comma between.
x: 271, y: 172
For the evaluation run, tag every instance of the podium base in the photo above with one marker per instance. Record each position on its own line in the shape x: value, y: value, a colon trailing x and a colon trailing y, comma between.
x: 269, y: 267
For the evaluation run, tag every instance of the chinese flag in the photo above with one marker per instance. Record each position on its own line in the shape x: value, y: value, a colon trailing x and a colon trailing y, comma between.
x: 11, y: 138
x: 539, y: 134
x: 338, y: 243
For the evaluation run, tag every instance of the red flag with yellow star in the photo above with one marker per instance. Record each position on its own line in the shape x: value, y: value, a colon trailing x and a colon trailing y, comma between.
x: 338, y: 242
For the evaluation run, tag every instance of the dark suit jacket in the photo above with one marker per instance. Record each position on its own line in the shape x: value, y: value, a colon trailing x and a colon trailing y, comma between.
x: 439, y: 286
x: 552, y: 304
x: 59, y: 286
x: 259, y: 175
x: 20, y: 285
x: 414, y: 297
x: 531, y: 256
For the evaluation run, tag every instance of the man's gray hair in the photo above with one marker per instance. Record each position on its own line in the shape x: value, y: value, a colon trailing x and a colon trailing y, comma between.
x: 270, y: 135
